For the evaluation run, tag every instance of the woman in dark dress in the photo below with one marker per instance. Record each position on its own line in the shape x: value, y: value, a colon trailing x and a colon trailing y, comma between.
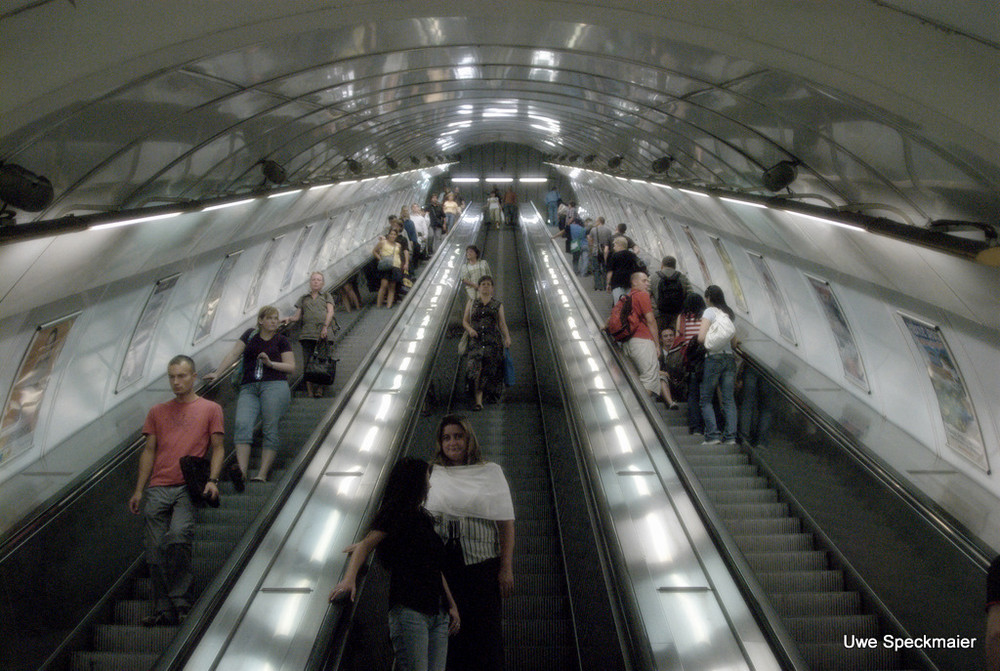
x: 486, y: 325
x: 422, y: 612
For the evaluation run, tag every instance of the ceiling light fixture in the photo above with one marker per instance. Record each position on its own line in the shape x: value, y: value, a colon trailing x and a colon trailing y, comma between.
x: 780, y: 175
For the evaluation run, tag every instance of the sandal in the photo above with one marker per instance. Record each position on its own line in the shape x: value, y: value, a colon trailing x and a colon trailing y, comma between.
x: 257, y: 478
x: 477, y: 406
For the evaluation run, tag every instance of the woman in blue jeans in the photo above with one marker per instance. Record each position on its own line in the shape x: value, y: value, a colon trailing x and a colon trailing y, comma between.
x: 422, y: 612
x: 720, y: 372
x: 267, y: 361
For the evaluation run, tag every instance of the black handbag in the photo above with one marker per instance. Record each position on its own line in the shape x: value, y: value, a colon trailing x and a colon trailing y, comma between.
x: 321, y: 368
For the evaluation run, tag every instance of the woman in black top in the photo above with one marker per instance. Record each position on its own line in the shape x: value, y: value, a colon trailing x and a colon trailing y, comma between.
x: 422, y: 612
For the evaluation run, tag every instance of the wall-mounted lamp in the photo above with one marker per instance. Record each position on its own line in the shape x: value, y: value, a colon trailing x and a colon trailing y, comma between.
x: 390, y: 163
x: 780, y: 175
x: 589, y: 158
x: 354, y: 166
x: 414, y: 160
x: 615, y: 161
x: 22, y: 189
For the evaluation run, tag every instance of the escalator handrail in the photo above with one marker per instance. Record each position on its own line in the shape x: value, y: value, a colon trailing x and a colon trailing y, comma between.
x: 771, y: 624
x: 939, y: 519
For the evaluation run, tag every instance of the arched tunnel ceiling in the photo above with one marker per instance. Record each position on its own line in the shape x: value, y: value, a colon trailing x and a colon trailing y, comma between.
x: 885, y: 107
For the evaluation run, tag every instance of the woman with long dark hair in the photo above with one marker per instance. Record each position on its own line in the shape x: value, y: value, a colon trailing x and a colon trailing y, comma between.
x: 687, y: 326
x: 474, y: 514
x: 720, y: 372
x: 422, y: 612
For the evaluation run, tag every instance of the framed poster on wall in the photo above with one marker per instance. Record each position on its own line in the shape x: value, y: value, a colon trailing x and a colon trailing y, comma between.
x: 290, y: 270
x: 961, y: 427
x: 145, y: 330
x: 258, y: 278
x: 20, y: 412
x: 211, y: 305
x: 696, y: 248
x: 847, y: 346
x: 778, y: 304
x: 734, y: 281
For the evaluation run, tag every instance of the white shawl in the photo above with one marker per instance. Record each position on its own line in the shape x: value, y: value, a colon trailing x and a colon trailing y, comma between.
x: 479, y: 490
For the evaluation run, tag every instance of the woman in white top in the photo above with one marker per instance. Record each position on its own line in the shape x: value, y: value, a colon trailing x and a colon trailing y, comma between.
x: 720, y: 371
x: 474, y: 269
x: 473, y: 513
x: 422, y: 223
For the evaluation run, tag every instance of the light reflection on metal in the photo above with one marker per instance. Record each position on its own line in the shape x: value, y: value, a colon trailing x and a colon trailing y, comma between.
x: 139, y: 220
x: 610, y: 405
x: 658, y: 538
x: 623, y: 441
x: 222, y: 206
x: 322, y: 549
x: 369, y: 439
x: 404, y: 365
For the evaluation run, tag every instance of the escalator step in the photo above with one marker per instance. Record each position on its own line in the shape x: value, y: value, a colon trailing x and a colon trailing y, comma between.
x: 834, y: 657
x: 541, y: 527
x: 725, y: 471
x: 733, y: 496
x: 537, y: 563
x: 816, y: 604
x: 132, y: 639
x: 131, y: 611
x: 735, y: 483
x: 538, y: 633
x: 700, y: 460
x: 538, y: 584
x: 111, y: 661
x: 752, y: 511
x: 775, y: 542
x: 533, y: 607
x: 831, y: 628
x: 538, y: 545
x: 774, y: 525
x: 787, y: 561
x: 532, y: 658
x: 533, y: 505
x: 802, y: 581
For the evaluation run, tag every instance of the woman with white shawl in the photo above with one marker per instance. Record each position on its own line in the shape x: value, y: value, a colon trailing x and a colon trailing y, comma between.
x: 474, y: 514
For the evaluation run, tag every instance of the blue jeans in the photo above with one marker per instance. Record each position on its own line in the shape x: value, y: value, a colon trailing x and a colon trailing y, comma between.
x: 720, y: 371
x: 267, y: 400
x: 420, y: 641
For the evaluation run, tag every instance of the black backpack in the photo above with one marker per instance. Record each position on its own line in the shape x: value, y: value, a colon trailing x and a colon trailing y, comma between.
x: 670, y: 294
x: 619, y: 324
x: 694, y: 357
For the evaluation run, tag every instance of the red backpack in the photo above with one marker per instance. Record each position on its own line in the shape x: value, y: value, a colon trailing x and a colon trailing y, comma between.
x: 620, y: 326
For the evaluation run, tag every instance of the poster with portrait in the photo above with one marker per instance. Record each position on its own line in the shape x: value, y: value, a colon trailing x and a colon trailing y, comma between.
x: 778, y: 304
x: 20, y: 413
x: 211, y: 305
x: 847, y: 346
x: 698, y: 255
x: 145, y: 331
x: 957, y: 412
x: 734, y: 281
x: 265, y: 262
x: 293, y: 263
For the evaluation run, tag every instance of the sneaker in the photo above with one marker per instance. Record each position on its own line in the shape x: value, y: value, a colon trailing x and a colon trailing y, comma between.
x: 713, y: 441
x: 731, y: 441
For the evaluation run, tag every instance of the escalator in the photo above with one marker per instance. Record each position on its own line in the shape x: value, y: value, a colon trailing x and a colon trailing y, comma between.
x: 78, y: 550
x: 557, y: 618
x: 842, y: 549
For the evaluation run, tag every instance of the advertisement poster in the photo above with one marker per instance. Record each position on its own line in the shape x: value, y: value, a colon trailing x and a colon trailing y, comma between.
x: 321, y: 258
x: 698, y: 255
x: 675, y: 244
x: 960, y: 423
x: 854, y: 369
x: 145, y: 330
x: 211, y: 305
x: 778, y: 304
x: 293, y: 268
x: 20, y: 414
x: 258, y: 278
x: 738, y: 299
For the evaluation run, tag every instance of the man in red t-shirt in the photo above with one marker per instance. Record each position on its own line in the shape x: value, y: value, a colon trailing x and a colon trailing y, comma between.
x: 188, y: 425
x: 643, y: 347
